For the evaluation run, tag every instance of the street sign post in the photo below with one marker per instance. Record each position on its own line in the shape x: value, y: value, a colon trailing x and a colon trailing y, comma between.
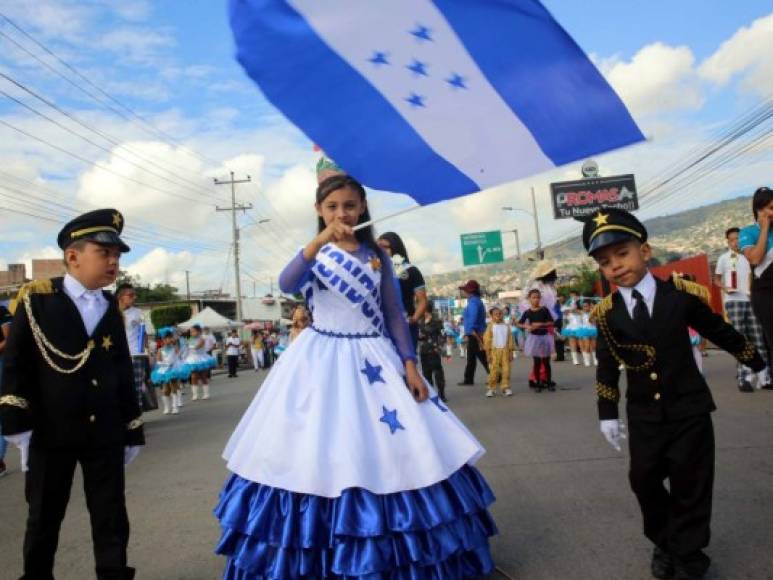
x: 482, y: 248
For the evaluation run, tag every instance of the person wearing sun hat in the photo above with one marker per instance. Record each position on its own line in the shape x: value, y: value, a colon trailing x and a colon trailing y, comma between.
x: 474, y: 322
x: 643, y: 329
x: 68, y: 396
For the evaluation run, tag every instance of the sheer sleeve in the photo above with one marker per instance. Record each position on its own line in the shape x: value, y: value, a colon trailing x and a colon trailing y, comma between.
x: 394, y: 313
x: 295, y: 274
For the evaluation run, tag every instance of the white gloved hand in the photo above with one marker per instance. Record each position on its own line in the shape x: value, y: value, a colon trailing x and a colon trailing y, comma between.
x: 22, y: 443
x: 613, y: 431
x: 130, y: 453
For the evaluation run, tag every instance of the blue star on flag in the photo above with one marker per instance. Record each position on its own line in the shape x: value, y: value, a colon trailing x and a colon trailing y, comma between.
x: 379, y: 58
x: 390, y: 418
x: 416, y: 100
x: 418, y: 68
x: 457, y: 81
x: 372, y: 372
x: 422, y: 33
x: 436, y: 400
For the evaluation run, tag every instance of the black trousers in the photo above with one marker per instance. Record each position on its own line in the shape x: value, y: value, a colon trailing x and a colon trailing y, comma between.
x: 47, y: 490
x: 678, y: 518
x: 432, y: 369
x: 474, y: 352
x: 762, y: 305
x: 559, y: 344
x: 233, y: 363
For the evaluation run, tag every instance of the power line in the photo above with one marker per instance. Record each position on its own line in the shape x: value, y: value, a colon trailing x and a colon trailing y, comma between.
x: 106, y: 136
x: 147, y: 126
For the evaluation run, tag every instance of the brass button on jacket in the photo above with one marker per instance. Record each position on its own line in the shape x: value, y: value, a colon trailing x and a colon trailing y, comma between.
x: 654, y: 376
x: 657, y: 396
x: 92, y: 419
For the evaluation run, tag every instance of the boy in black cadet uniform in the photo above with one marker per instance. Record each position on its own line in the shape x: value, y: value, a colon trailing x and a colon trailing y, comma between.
x: 68, y: 397
x: 643, y: 326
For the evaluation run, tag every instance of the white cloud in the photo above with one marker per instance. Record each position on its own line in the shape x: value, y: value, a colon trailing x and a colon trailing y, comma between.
x: 142, y: 46
x: 748, y: 53
x: 657, y: 79
x: 159, y: 266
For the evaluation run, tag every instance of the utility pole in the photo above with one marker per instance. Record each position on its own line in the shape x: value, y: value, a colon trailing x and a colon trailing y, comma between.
x: 517, y: 244
x: 188, y: 284
x: 233, y: 209
x: 540, y: 251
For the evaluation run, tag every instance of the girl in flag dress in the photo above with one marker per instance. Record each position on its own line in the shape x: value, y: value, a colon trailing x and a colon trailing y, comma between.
x: 587, y: 334
x: 347, y: 464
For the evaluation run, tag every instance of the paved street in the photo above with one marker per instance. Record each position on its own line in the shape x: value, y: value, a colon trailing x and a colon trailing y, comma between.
x: 564, y: 508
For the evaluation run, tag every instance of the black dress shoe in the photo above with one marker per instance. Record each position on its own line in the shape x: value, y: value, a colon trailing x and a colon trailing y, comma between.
x: 662, y: 565
x: 767, y: 386
x: 693, y: 567
x: 463, y: 384
x: 745, y: 387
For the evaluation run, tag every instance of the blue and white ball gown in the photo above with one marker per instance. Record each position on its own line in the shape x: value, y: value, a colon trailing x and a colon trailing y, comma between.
x: 587, y: 330
x: 337, y: 471
x: 167, y: 370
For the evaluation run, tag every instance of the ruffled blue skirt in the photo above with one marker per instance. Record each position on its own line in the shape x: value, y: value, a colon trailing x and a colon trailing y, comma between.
x: 163, y: 376
x: 438, y: 532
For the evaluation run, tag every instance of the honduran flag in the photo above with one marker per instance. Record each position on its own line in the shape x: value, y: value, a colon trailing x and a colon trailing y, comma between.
x: 433, y: 98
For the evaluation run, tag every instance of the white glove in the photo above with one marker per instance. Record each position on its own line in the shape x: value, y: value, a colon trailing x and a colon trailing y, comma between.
x: 22, y: 443
x: 130, y: 453
x: 613, y: 431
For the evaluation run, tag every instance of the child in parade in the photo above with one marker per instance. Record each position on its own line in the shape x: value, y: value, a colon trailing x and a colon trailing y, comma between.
x: 499, y: 345
x: 430, y: 343
x: 450, y: 339
x: 536, y: 320
x: 346, y: 436
x: 184, y: 375
x: 572, y: 324
x: 68, y: 398
x: 643, y: 326
x: 197, y: 363
x: 168, y: 372
x: 587, y: 334
x: 301, y: 321
x: 256, y: 349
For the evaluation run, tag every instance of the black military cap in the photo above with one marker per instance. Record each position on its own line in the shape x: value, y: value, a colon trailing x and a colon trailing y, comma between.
x: 101, y: 226
x: 610, y: 225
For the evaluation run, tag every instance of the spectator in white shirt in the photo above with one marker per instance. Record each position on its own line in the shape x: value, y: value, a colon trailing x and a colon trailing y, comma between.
x: 733, y: 275
x: 232, y: 351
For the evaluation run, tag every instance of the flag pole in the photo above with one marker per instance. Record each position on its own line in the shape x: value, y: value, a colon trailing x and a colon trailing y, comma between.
x: 386, y: 217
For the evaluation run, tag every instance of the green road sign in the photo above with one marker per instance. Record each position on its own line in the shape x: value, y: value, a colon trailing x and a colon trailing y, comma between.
x: 482, y: 248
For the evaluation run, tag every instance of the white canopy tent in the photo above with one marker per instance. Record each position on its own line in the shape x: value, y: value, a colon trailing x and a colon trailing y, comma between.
x: 215, y: 321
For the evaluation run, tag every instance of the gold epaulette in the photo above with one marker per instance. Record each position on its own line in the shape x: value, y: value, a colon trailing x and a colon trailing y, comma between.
x: 693, y: 288
x: 601, y: 308
x: 44, y: 286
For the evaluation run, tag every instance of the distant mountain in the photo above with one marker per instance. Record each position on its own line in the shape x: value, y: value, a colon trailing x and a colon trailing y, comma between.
x: 696, y: 231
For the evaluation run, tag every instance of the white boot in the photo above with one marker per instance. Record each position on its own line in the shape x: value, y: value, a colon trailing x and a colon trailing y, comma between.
x: 595, y: 360
x: 575, y: 358
x: 167, y: 400
x: 180, y: 397
x: 195, y: 392
x: 176, y: 403
x: 586, y: 359
x: 206, y: 391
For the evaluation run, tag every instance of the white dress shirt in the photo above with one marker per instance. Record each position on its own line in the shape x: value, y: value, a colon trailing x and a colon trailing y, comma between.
x: 646, y: 288
x: 91, y: 304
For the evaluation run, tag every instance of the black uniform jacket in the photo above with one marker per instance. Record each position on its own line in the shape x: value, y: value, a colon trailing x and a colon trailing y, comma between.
x: 664, y: 382
x: 96, y: 406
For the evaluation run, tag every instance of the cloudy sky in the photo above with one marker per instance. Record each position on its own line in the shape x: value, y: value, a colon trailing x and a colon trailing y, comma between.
x: 151, y: 105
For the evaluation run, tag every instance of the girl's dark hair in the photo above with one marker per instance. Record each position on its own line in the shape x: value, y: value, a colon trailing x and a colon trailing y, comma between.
x: 336, y: 182
x: 762, y: 197
x: 396, y: 243
x: 534, y: 291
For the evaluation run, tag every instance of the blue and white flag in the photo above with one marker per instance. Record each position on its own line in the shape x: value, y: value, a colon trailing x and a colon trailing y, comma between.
x: 433, y: 98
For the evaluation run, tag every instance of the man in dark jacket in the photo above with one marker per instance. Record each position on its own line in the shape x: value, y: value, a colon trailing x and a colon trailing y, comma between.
x: 68, y: 397
x: 431, y: 339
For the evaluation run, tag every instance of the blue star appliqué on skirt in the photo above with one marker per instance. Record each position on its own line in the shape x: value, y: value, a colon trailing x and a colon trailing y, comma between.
x: 436, y: 400
x: 372, y: 372
x: 390, y: 418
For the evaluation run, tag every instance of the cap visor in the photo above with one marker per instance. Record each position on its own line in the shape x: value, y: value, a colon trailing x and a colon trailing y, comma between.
x: 109, y: 239
x: 608, y: 239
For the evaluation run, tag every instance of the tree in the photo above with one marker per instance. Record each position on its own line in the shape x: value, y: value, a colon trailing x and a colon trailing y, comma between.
x: 158, y: 293
x: 170, y: 315
x: 585, y: 280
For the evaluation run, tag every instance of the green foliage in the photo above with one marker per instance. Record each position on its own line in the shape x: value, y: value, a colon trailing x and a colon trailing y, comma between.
x: 585, y: 280
x: 158, y: 293
x: 170, y: 315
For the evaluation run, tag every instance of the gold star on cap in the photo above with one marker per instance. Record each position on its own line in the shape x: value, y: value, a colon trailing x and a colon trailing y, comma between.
x: 601, y: 219
x: 117, y: 220
x: 107, y: 342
